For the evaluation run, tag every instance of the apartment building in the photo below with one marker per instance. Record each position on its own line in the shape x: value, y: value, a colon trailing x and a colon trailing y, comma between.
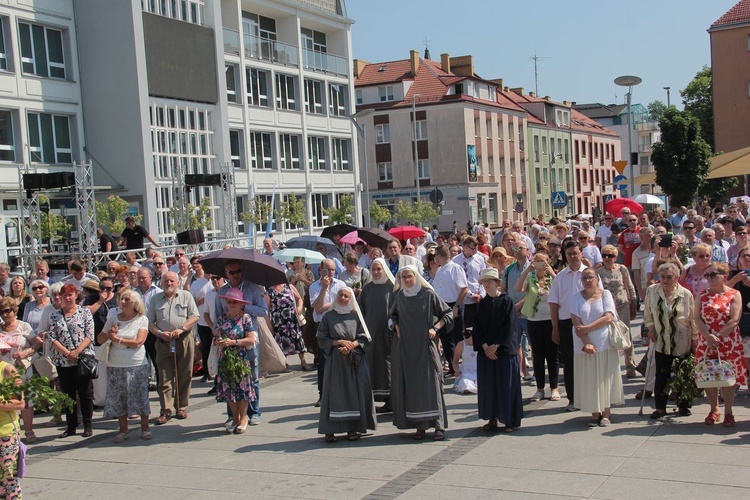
x: 261, y: 89
x: 438, y: 123
x: 41, y: 125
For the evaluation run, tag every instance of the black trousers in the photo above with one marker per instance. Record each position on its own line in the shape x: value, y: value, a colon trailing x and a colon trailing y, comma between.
x: 470, y: 310
x: 150, y: 345
x: 449, y: 338
x: 206, y: 336
x: 73, y: 385
x: 566, y: 355
x: 543, y: 350
x: 663, y: 363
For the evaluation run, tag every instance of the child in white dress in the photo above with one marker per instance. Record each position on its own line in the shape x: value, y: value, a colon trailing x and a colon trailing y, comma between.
x: 466, y: 371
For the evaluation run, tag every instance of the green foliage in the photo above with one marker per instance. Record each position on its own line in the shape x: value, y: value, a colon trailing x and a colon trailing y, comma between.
x: 198, y: 217
x: 110, y: 215
x: 656, y: 110
x: 53, y: 225
x: 697, y: 99
x: 683, y: 380
x: 232, y: 368
x: 343, y: 213
x: 37, y: 389
x: 682, y: 158
x: 415, y: 213
x: 715, y: 190
x: 293, y: 211
x: 379, y: 213
x: 258, y: 212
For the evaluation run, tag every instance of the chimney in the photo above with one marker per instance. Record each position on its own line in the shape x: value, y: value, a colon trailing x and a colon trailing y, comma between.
x: 499, y: 82
x: 359, y: 67
x: 517, y: 90
x: 414, y: 57
x: 462, y: 65
x: 547, y: 98
x: 445, y: 63
x: 567, y: 103
x: 532, y: 94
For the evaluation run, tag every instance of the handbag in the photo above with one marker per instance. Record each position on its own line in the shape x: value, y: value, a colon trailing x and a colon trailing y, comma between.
x: 88, y: 366
x: 213, y: 360
x: 301, y: 319
x: 619, y: 335
x: 101, y: 353
x: 43, y: 364
x: 714, y: 373
x: 21, y: 469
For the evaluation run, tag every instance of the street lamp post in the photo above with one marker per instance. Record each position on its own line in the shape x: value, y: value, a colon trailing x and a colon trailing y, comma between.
x: 414, y: 142
x: 630, y: 82
x: 667, y: 89
x: 361, y: 130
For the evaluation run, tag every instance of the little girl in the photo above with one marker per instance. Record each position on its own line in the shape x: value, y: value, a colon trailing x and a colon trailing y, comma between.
x: 466, y: 372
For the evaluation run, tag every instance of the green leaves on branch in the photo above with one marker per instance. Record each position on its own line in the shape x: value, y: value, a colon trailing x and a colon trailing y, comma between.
x: 110, y: 215
x: 698, y: 100
x: 379, y: 213
x: 415, y: 213
x: 232, y: 368
x: 343, y: 213
x: 293, y: 211
x: 258, y: 212
x: 36, y: 389
x: 683, y: 381
x: 198, y: 217
x: 53, y: 225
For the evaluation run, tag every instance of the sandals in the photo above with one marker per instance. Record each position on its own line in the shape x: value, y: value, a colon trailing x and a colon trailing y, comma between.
x: 163, y: 419
x: 240, y: 428
x: 657, y: 414
x: 419, y: 435
x: 605, y: 422
x: 120, y: 437
x: 538, y: 395
x: 555, y: 395
x: 729, y: 420
x: 490, y: 426
x: 508, y: 429
x: 146, y: 435
x: 30, y: 437
x: 439, y: 435
x: 713, y: 417
x: 330, y: 438
x: 181, y: 415
x: 353, y: 436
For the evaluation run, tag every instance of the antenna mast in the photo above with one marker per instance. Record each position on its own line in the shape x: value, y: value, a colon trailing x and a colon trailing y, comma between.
x: 536, y: 60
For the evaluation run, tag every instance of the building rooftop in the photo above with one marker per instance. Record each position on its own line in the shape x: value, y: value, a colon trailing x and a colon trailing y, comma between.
x: 597, y: 110
x: 739, y: 14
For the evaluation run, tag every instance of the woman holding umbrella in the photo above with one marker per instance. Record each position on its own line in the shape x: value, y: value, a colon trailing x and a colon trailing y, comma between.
x: 374, y: 302
x: 417, y: 313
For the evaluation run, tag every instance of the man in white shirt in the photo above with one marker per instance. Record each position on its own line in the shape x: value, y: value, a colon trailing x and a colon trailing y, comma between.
x: 605, y: 230
x: 473, y: 263
x: 640, y: 257
x: 561, y: 294
x: 78, y: 275
x: 322, y: 294
x: 451, y: 285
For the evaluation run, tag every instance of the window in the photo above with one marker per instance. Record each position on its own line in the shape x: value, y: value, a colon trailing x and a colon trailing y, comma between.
x: 261, y: 154
x: 289, y: 152
x: 235, y: 148
x: 545, y: 151
x: 423, y: 167
x: 562, y: 118
x: 477, y: 129
x: 7, y: 147
x: 386, y: 93
x: 313, y: 40
x: 500, y: 128
x: 319, y: 203
x: 257, y: 87
x: 583, y: 149
x: 231, y: 75
x: 316, y: 153
x: 511, y: 135
x: 567, y: 151
x: 385, y: 171
x: 49, y: 138
x: 488, y: 124
x: 340, y: 155
x: 536, y: 148
x: 41, y: 51
x: 492, y: 213
x: 3, y: 54
x: 360, y: 99
x: 337, y: 99
x: 383, y: 133
x: 190, y: 11
x: 285, y: 92
x: 420, y: 130
x: 313, y: 97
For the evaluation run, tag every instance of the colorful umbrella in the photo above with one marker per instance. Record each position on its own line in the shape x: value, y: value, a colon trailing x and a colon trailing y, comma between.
x: 351, y: 238
x: 289, y: 254
x: 403, y: 233
x: 615, y: 206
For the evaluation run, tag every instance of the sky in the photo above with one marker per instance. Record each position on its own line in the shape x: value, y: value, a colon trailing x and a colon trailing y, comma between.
x: 583, y: 45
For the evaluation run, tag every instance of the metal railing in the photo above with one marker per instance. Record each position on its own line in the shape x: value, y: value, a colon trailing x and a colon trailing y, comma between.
x: 327, y: 63
x: 270, y: 50
x: 231, y: 41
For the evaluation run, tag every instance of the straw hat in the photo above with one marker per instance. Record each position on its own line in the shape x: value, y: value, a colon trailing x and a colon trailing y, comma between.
x: 489, y: 273
x: 234, y: 294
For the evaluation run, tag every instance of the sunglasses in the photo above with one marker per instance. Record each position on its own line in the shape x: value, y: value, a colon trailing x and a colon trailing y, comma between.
x: 106, y: 288
x: 608, y: 255
x: 125, y: 299
x: 158, y: 263
x: 216, y: 278
x: 517, y: 249
x: 686, y: 228
x: 39, y: 287
x: 588, y: 278
x: 236, y: 271
x: 6, y: 311
x: 713, y: 275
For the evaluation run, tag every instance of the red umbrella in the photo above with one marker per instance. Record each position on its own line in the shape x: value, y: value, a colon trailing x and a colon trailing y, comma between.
x: 405, y: 232
x: 615, y: 206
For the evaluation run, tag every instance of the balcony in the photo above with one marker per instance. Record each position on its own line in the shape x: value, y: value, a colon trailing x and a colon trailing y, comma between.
x: 231, y: 41
x: 273, y: 51
x: 325, y: 63
x: 644, y: 148
x: 646, y: 126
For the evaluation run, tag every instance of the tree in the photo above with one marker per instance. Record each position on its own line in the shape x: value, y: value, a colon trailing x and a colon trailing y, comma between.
x: 293, y: 211
x: 258, y: 212
x: 656, y: 110
x: 198, y: 217
x: 715, y: 190
x: 379, y: 213
x: 415, y: 213
x: 53, y: 225
x: 682, y: 158
x: 343, y: 213
x: 403, y: 212
x: 110, y: 215
x: 697, y: 98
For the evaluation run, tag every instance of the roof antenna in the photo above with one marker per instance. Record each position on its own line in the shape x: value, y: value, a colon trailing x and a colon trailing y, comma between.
x: 536, y: 60
x: 426, y: 43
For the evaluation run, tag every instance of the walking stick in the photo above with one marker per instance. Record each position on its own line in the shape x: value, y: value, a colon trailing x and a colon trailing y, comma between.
x: 643, y: 392
x: 176, y: 382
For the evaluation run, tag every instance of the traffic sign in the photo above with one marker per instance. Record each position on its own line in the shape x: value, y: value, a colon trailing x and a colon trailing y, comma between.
x: 620, y: 182
x: 623, y: 193
x: 436, y: 196
x: 519, y: 207
x: 559, y: 199
x: 620, y: 166
x: 608, y: 197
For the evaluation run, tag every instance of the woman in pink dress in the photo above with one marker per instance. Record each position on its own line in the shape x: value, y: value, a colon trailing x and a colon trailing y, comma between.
x: 719, y: 308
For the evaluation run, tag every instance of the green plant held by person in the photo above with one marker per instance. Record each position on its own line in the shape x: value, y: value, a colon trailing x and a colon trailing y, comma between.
x: 35, y: 389
x: 683, y: 381
x: 232, y: 368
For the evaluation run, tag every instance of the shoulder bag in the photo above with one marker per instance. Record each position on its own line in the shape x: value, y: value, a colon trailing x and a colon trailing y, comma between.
x: 88, y: 366
x: 101, y: 353
x: 619, y: 334
x: 42, y: 363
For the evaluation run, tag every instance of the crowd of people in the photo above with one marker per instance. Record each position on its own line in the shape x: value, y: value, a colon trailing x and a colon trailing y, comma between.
x: 491, y: 310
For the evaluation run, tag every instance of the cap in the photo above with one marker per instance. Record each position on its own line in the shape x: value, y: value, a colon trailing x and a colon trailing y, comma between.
x: 489, y: 273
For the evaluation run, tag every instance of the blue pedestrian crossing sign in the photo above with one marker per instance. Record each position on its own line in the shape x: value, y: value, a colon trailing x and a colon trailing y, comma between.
x: 559, y: 199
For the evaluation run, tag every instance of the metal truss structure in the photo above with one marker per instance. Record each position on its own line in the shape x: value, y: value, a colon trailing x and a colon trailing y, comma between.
x: 30, y: 220
x: 88, y: 241
x: 228, y: 198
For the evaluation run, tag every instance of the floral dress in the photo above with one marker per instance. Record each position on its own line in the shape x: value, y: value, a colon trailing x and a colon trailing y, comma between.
x: 715, y: 311
x: 234, y: 329
x: 286, y: 329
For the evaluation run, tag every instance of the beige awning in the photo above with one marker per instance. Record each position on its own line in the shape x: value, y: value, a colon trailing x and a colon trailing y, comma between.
x: 730, y: 164
x: 645, y: 179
